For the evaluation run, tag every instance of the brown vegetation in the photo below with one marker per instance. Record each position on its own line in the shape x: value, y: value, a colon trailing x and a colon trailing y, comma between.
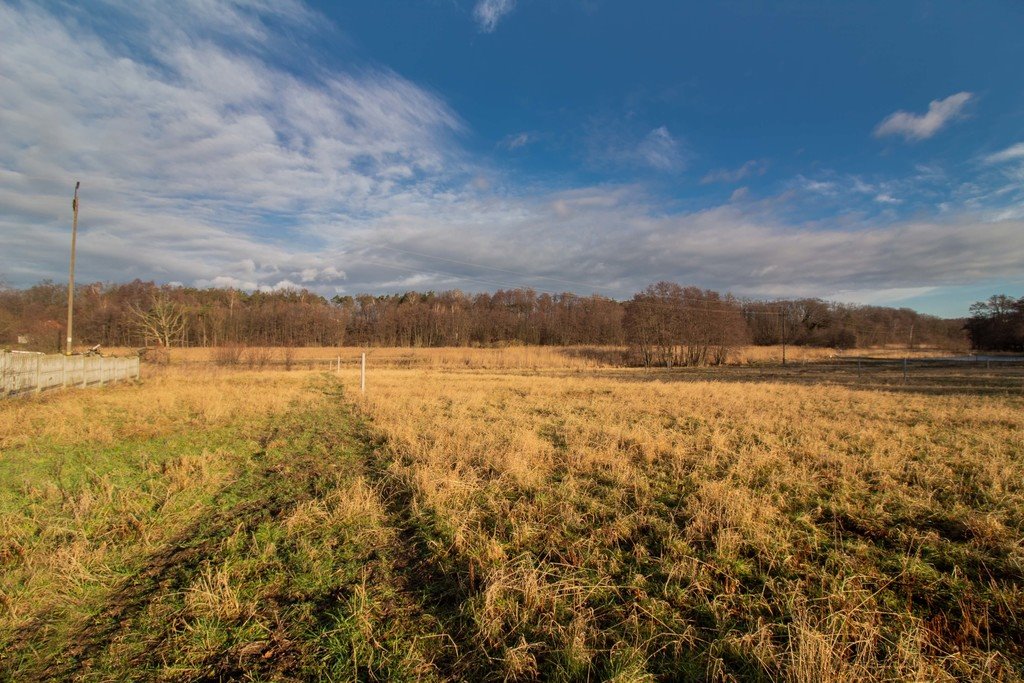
x: 140, y: 313
x: 523, y: 513
x: 608, y: 522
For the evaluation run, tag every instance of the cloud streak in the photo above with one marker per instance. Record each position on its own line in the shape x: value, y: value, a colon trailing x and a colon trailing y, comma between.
x: 514, y: 142
x: 488, y: 13
x: 1011, y: 153
x: 661, y: 151
x: 914, y: 127
x: 196, y: 144
x: 754, y: 167
x: 611, y: 145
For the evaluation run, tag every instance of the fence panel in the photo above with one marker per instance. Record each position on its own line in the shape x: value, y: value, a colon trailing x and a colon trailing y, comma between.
x: 26, y: 372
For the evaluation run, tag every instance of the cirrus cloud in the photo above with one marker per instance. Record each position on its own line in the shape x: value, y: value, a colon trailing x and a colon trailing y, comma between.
x: 913, y: 127
x: 489, y: 12
x: 1011, y: 153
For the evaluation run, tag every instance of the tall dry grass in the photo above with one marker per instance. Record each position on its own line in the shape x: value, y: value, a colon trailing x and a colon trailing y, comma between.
x: 168, y: 399
x: 510, y: 357
x: 617, y: 526
x: 578, y: 520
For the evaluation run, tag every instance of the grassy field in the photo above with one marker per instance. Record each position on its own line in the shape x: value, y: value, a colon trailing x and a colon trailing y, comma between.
x: 507, y: 520
x: 511, y: 357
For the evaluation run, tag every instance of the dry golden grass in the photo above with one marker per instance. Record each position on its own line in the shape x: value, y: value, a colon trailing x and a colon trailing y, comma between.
x: 167, y: 400
x: 803, y: 354
x: 510, y: 357
x: 805, y: 533
x: 524, y: 513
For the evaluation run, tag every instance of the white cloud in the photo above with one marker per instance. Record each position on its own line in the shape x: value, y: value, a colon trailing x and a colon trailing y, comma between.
x: 620, y: 242
x: 196, y: 158
x: 848, y: 192
x: 514, y: 142
x: 922, y: 126
x: 489, y: 12
x: 825, y: 187
x: 739, y: 194
x: 661, y: 151
x: 281, y: 285
x: 754, y: 167
x: 616, y: 144
x: 1011, y: 153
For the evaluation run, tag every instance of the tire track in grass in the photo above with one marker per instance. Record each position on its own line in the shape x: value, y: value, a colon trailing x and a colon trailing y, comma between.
x: 439, y: 584
x: 390, y: 609
x: 358, y: 617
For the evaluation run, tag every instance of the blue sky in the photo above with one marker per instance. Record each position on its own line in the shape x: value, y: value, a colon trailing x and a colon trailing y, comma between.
x: 864, y: 152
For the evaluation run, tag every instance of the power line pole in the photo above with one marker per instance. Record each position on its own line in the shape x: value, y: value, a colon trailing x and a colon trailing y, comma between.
x: 785, y: 314
x: 71, y: 272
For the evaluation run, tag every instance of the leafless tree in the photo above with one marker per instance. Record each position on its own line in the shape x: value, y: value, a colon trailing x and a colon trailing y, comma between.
x: 164, y: 321
x: 671, y: 325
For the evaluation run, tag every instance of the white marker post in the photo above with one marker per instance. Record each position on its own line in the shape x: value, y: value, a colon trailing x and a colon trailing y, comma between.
x: 362, y: 375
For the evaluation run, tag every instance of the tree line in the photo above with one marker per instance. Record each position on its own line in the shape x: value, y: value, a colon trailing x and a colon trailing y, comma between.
x: 997, y: 324
x: 666, y: 324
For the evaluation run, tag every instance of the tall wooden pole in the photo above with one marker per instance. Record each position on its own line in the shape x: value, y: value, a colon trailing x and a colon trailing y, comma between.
x: 71, y: 272
x: 785, y: 314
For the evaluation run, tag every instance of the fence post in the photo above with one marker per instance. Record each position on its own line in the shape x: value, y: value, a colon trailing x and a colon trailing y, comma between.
x: 103, y: 370
x: 362, y: 375
x: 85, y: 375
x: 39, y: 377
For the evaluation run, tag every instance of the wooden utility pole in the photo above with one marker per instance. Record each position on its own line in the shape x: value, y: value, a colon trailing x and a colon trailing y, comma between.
x: 785, y: 314
x: 71, y: 273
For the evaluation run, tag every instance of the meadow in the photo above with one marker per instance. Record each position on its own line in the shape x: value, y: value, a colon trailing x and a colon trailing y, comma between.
x: 515, y: 514
x: 512, y: 356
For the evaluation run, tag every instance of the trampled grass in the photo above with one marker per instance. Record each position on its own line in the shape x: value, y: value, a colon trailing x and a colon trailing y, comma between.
x: 490, y: 521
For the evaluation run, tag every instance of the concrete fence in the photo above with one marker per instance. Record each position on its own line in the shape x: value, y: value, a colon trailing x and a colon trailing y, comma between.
x: 30, y: 372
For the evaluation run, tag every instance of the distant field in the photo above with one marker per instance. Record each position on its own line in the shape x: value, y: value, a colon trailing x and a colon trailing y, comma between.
x: 508, y: 357
x: 516, y: 514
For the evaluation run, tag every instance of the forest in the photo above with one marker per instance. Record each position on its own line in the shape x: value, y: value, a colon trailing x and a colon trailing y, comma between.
x: 665, y: 324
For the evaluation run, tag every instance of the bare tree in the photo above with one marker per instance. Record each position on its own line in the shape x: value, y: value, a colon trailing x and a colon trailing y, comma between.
x: 164, y: 321
x: 671, y: 325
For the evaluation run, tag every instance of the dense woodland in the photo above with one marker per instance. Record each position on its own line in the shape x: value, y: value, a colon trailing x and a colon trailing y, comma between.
x: 665, y: 324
